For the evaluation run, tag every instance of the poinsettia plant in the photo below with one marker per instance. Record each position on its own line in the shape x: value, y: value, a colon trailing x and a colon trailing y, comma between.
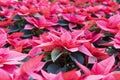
x: 59, y: 40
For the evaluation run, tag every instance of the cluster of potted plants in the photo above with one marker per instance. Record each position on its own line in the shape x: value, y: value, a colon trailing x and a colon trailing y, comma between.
x: 59, y: 40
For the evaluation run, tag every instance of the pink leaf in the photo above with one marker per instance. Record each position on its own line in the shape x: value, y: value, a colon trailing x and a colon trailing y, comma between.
x: 71, y: 26
x: 28, y: 27
x: 35, y: 75
x: 84, y: 50
x: 85, y: 70
x: 94, y: 77
x: 47, y: 75
x: 92, y: 60
x: 103, y: 25
x: 54, y: 37
x: 97, y: 69
x: 72, y: 49
x: 66, y: 37
x: 58, y: 76
x: 4, y: 75
x: 104, y: 66
x: 14, y: 55
x: 34, y: 51
x: 108, y: 64
x: 33, y: 64
x: 114, y: 19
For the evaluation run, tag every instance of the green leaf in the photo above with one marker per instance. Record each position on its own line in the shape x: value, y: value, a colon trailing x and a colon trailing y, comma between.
x: 118, y: 1
x: 111, y: 50
x: 77, y: 56
x: 31, y: 78
x: 27, y: 34
x: 48, y: 57
x: 53, y: 68
x: 63, y: 23
x: 17, y: 18
x: 51, y: 0
x: 55, y: 54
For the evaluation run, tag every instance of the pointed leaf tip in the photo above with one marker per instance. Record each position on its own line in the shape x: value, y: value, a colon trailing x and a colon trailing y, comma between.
x: 55, y: 54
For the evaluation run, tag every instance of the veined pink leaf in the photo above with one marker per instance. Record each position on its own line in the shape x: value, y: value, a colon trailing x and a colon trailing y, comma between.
x: 14, y: 55
x: 33, y: 64
x: 48, y: 46
x: 48, y: 76
x: 3, y: 37
x: 94, y: 77
x: 66, y: 37
x: 71, y: 75
x: 31, y: 20
x: 74, y: 18
x: 71, y: 26
x: 35, y: 75
x: 111, y: 25
x: 92, y: 60
x: 10, y: 56
x: 72, y: 49
x: 12, y: 62
x: 116, y: 75
x: 34, y: 51
x: 10, y: 68
x: 4, y: 75
x: 116, y: 40
x: 84, y: 50
x: 97, y: 69
x: 103, y: 25
x: 114, y: 19
x: 64, y: 1
x: 31, y: 67
x: 58, y: 76
x: 84, y: 69
x: 96, y: 52
x: 109, y: 77
x: 96, y: 37
x: 107, y: 64
x: 54, y: 37
x: 28, y: 27
x: 79, y: 34
x: 45, y: 44
x: 104, y: 66
x: 42, y: 22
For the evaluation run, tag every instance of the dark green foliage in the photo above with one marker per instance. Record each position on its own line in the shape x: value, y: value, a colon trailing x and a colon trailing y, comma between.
x: 118, y: 1
x: 77, y: 56
x: 64, y: 24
